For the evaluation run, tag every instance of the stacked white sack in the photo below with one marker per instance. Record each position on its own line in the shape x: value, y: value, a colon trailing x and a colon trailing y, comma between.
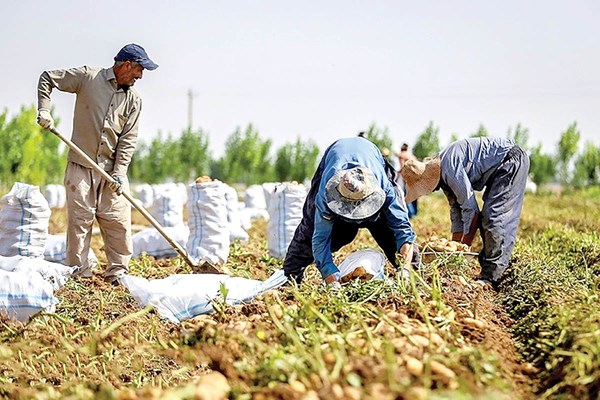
x: 285, y: 210
x: 56, y: 195
x: 145, y: 194
x: 207, y: 220
x: 236, y: 232
x: 22, y: 294
x: 151, y: 242
x: 167, y: 207
x: 54, y: 273
x: 24, y: 217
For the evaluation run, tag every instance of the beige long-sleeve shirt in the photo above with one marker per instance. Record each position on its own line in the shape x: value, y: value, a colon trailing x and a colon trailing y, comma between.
x: 106, y: 118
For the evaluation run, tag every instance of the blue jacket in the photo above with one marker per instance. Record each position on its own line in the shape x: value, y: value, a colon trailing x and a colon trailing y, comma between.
x: 345, y: 154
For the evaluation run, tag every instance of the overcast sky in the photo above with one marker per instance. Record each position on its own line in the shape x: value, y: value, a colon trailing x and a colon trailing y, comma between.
x: 325, y: 69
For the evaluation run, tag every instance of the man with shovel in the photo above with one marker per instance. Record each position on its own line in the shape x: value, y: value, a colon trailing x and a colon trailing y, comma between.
x: 105, y: 128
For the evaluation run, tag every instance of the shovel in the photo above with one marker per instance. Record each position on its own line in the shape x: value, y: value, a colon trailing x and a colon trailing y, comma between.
x: 205, y: 267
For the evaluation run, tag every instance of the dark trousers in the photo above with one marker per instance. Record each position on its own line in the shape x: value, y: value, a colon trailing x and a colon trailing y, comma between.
x: 501, y: 212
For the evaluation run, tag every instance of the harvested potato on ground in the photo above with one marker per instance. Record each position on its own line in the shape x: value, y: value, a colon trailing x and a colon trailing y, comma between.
x: 445, y: 245
x: 358, y: 273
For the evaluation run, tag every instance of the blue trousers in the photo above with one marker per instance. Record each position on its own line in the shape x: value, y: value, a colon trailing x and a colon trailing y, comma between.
x: 501, y: 212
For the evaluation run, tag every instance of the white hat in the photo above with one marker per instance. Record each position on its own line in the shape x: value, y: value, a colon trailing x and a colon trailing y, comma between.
x: 354, y: 193
x: 421, y: 178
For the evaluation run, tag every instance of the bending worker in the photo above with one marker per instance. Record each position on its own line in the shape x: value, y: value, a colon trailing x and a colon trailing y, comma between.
x: 467, y: 165
x: 105, y: 127
x: 352, y: 188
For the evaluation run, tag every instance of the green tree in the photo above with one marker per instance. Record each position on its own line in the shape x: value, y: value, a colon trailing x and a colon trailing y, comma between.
x: 246, y: 159
x: 567, y: 148
x: 193, y: 155
x: 428, y: 142
x: 296, y: 161
x: 481, y: 132
x: 587, y: 166
x: 520, y: 135
x: 29, y: 153
x: 543, y: 166
x: 380, y: 136
x: 453, y: 138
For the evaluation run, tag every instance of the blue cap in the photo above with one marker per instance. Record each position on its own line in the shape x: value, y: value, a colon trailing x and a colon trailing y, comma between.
x: 136, y: 53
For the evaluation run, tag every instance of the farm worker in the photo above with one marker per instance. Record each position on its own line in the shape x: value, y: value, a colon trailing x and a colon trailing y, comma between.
x: 459, y: 170
x: 105, y: 127
x: 403, y: 156
x: 352, y: 188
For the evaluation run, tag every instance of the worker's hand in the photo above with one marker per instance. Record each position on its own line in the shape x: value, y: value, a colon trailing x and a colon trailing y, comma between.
x: 467, y: 238
x: 404, y: 256
x: 457, y: 236
x: 333, y: 281
x: 44, y: 119
x: 332, y: 278
x: 117, y: 184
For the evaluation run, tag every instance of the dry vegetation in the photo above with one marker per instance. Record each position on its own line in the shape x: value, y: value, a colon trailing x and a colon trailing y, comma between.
x: 438, y: 335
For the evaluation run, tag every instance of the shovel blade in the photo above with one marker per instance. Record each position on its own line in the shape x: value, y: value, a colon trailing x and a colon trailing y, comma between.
x: 206, y: 267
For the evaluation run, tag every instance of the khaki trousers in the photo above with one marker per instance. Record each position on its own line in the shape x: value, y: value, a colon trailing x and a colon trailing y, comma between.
x: 89, y: 196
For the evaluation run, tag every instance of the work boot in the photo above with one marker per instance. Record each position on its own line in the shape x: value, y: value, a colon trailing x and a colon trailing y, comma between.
x: 113, y: 278
x: 84, y: 272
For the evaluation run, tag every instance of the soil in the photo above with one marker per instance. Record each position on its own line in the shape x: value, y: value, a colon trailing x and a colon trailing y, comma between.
x: 90, y: 354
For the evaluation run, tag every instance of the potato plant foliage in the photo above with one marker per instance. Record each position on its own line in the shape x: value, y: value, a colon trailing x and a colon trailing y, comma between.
x: 437, y: 335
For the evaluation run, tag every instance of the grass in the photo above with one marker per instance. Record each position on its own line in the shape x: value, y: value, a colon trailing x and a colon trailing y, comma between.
x: 439, y: 335
x: 553, y: 292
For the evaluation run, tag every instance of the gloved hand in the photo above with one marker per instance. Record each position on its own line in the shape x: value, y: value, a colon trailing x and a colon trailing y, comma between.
x: 44, y: 119
x: 117, y: 183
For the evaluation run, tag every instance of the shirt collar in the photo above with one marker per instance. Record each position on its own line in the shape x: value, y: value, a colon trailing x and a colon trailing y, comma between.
x: 110, y: 74
x: 111, y: 77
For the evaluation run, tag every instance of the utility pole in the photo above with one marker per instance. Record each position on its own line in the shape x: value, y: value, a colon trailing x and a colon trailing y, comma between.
x: 191, y: 96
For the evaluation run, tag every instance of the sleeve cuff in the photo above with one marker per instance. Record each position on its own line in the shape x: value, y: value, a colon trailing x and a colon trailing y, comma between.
x: 328, y: 270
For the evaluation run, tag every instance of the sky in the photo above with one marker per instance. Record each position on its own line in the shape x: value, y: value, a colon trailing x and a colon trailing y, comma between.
x: 322, y: 70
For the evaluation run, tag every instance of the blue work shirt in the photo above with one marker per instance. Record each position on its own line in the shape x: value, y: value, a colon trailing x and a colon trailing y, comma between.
x: 466, y: 165
x: 345, y: 154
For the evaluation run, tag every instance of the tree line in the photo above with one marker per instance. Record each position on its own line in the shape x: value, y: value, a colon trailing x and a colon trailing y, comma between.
x: 568, y: 165
x: 33, y: 156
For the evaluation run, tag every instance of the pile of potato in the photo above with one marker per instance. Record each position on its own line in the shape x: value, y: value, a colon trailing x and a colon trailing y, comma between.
x: 445, y: 245
x: 358, y: 273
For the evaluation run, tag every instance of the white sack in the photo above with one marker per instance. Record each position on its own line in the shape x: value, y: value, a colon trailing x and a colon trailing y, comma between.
x: 255, y: 197
x: 183, y: 296
x: 56, y: 195
x: 167, y: 207
x: 56, y: 251
x: 54, y: 273
x: 247, y: 215
x: 151, y: 242
x: 236, y: 232
x: 268, y: 190
x: 207, y: 220
x: 371, y: 260
x: 285, y: 210
x: 145, y: 194
x: 183, y: 192
x: 23, y: 294
x: 24, y: 217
